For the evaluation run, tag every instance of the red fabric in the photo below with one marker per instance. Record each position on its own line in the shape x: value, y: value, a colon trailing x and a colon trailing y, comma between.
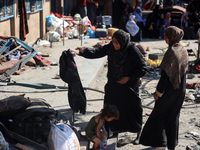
x: 23, y: 20
x: 192, y: 85
x: 198, y: 68
x: 91, y: 4
x: 82, y: 3
x: 41, y: 61
x: 58, y: 15
x: 4, y: 66
x: 147, y: 5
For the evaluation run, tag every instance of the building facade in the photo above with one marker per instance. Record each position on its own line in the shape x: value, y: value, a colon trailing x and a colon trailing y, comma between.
x: 36, y: 12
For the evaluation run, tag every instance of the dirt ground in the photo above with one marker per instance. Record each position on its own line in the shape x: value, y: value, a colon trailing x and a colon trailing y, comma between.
x: 189, y: 129
x: 189, y: 132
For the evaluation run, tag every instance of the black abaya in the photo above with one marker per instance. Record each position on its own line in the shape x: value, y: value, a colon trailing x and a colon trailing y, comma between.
x: 124, y: 96
x: 161, y: 128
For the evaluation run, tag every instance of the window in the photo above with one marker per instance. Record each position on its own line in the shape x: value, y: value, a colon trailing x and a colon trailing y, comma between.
x: 33, y: 5
x: 6, y: 9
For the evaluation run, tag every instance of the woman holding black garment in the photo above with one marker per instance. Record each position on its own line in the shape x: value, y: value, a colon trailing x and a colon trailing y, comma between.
x: 125, y: 68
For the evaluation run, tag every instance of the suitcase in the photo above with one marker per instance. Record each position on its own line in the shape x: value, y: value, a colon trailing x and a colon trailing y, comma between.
x: 101, y: 32
x: 104, y: 21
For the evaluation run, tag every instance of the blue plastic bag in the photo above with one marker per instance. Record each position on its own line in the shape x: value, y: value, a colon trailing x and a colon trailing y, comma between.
x: 49, y: 21
x: 90, y: 33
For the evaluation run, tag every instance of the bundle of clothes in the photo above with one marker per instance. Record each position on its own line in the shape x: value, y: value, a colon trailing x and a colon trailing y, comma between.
x: 8, y: 59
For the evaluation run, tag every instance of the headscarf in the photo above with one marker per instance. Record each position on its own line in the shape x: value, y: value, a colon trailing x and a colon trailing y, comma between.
x: 168, y: 19
x: 138, y: 16
x: 119, y: 56
x: 131, y: 26
x: 175, y: 61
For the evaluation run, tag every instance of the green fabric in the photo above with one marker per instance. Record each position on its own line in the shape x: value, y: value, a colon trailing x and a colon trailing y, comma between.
x: 91, y: 128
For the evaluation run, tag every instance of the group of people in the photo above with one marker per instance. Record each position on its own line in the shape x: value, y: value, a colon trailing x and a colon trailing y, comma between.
x: 190, y: 23
x: 129, y: 18
x: 122, y: 107
x: 157, y: 21
x: 93, y: 8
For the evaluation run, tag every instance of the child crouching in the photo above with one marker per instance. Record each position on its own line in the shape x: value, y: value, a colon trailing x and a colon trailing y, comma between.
x: 93, y: 133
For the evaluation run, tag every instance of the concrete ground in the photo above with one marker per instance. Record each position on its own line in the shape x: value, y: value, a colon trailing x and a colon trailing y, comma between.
x: 89, y: 69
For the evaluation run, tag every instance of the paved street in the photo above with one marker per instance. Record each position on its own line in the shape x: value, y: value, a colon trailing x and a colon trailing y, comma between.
x: 89, y: 71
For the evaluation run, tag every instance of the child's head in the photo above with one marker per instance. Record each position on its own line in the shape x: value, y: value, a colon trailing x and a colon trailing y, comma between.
x: 110, y: 112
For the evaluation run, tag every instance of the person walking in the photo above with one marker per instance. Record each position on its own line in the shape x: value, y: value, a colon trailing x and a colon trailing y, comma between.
x: 126, y: 66
x: 161, y: 128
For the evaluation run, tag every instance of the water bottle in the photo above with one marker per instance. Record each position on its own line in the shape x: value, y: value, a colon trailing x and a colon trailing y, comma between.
x: 103, y: 144
x: 140, y: 36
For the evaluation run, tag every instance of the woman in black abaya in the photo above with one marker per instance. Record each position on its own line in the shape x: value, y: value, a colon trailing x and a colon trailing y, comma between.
x: 125, y: 68
x: 161, y: 128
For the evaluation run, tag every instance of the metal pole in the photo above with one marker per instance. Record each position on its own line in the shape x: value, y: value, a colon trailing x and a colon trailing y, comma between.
x: 63, y: 33
x: 81, y: 39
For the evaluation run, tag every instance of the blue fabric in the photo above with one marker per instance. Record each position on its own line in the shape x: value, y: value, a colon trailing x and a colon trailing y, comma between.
x: 138, y: 17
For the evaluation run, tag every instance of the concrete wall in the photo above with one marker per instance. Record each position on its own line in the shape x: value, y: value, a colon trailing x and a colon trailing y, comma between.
x: 5, y: 27
x: 36, y: 23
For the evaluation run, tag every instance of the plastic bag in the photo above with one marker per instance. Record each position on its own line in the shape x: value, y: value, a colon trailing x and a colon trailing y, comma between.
x: 59, y: 21
x: 60, y: 30
x: 75, y: 32
x: 86, y: 21
x: 53, y: 27
x: 49, y: 21
x: 54, y: 36
x: 62, y: 137
x: 90, y: 33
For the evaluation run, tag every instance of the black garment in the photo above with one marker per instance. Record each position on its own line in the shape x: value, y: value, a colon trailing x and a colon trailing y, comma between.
x: 125, y: 97
x: 69, y: 74
x: 196, y: 22
x: 151, y: 20
x: 117, y: 11
x: 122, y: 22
x: 161, y: 128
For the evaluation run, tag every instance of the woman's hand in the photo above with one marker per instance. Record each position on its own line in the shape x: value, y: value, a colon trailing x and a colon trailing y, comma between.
x: 75, y: 51
x: 123, y: 80
x: 155, y: 96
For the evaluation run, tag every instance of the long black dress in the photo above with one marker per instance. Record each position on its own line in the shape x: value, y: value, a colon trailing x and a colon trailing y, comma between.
x: 161, y: 128
x: 125, y: 96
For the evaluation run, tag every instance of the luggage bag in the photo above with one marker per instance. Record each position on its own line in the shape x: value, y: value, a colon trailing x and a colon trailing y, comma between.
x: 104, y: 21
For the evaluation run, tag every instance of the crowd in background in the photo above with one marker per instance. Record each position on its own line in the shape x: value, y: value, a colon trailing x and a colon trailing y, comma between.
x: 124, y: 15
